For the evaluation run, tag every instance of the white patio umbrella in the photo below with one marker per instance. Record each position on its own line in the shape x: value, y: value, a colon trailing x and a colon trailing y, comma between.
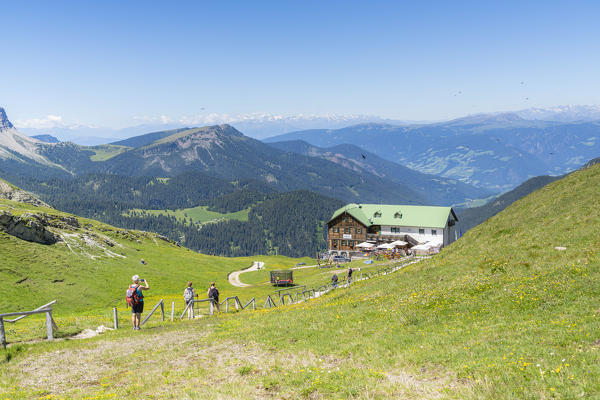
x: 365, y: 245
x: 423, y: 246
x: 400, y: 243
x: 385, y: 246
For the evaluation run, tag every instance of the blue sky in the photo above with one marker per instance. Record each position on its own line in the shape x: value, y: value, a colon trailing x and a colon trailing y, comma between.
x: 118, y: 63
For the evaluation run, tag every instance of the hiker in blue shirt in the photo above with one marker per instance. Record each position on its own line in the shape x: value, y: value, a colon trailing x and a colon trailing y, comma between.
x: 136, y: 300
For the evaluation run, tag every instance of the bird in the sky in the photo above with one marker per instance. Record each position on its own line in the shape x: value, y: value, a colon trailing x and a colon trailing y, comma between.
x: 363, y: 156
x: 526, y: 98
x: 522, y: 83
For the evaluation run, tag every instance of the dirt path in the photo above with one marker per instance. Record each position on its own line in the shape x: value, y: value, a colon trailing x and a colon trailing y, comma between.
x: 234, y: 277
x: 305, y: 266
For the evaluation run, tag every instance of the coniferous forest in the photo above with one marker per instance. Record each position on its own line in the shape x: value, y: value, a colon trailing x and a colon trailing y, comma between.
x: 286, y: 223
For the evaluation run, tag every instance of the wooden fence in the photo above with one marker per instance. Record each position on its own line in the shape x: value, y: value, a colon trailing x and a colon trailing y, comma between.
x: 301, y: 295
x: 45, y: 309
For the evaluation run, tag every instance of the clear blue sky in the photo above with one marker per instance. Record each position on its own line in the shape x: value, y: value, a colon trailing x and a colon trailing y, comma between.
x: 105, y: 62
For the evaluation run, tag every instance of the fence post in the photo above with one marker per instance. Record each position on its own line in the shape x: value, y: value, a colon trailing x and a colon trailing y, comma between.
x: 193, y: 303
x: 237, y: 307
x: 115, y: 318
x: 253, y: 304
x: 172, y: 310
x: 212, y: 307
x: 2, y: 334
x: 49, y: 324
x: 162, y: 310
x: 226, y: 305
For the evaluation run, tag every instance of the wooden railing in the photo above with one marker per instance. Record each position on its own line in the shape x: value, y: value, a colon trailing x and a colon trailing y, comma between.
x: 301, y: 295
x: 160, y: 304
x: 45, y: 309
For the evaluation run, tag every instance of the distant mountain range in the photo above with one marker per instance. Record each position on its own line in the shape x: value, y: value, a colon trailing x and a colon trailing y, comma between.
x: 220, y: 151
x: 254, y: 125
x: 263, y: 125
x: 496, y: 152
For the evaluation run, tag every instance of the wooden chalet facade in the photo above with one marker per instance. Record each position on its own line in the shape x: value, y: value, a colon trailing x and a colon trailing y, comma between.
x: 345, y: 232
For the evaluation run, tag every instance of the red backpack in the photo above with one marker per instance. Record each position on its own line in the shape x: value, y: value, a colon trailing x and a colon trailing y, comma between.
x: 133, y: 297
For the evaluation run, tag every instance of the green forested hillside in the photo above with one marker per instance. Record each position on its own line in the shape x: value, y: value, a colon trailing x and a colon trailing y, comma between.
x: 276, y: 223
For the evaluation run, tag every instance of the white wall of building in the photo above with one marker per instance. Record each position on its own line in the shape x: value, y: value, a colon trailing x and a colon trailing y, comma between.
x: 428, y: 236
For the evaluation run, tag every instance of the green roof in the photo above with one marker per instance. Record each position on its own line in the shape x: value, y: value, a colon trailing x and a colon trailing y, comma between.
x: 399, y: 215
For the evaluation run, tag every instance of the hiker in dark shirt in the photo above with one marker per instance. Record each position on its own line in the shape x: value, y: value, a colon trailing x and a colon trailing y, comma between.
x: 334, y: 280
x: 213, y: 293
x: 349, y: 276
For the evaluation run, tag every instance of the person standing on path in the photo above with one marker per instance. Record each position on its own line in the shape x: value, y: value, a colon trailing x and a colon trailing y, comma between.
x: 213, y: 293
x: 349, y: 276
x: 188, y: 296
x: 334, y: 280
x: 137, y: 300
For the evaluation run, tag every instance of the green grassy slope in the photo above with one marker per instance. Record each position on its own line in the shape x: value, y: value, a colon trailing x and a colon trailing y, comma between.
x: 500, y: 314
x: 475, y: 215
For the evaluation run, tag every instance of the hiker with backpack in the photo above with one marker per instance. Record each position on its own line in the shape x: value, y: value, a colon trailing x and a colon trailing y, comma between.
x: 213, y: 293
x: 188, y: 296
x: 334, y: 281
x: 349, y: 277
x: 135, y: 300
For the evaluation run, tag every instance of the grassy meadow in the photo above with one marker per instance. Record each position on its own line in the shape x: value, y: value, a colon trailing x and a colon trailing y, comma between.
x: 198, y: 214
x: 500, y: 314
x: 105, y: 152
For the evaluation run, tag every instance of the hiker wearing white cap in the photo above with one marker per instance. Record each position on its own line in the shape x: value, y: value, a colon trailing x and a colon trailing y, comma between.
x: 135, y: 300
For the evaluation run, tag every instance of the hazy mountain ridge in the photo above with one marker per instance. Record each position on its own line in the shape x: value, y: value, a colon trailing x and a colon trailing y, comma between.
x: 225, y: 152
x: 492, y: 151
x: 221, y: 151
x: 436, y: 190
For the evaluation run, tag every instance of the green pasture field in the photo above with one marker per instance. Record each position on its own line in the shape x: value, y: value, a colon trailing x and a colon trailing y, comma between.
x: 105, y: 152
x: 199, y: 214
x: 500, y: 314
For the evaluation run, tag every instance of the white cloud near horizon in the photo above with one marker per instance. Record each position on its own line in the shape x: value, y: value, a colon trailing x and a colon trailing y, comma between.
x: 216, y: 118
x: 47, y: 122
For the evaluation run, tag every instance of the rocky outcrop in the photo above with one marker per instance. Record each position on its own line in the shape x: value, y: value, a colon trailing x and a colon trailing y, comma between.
x: 13, y: 193
x: 29, y: 227
x: 4, y: 122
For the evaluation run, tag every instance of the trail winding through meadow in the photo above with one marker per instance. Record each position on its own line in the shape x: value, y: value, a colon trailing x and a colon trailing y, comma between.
x: 234, y: 277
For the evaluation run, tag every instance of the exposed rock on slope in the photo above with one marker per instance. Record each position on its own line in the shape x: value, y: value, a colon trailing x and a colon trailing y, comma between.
x: 13, y: 193
x: 29, y: 227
